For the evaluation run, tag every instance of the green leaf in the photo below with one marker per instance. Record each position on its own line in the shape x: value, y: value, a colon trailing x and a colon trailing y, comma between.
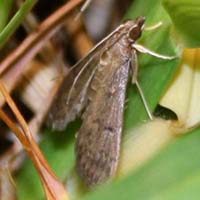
x: 16, y: 21
x: 186, y: 18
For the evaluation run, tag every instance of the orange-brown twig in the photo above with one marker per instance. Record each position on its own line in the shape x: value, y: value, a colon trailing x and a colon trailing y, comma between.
x: 52, y: 185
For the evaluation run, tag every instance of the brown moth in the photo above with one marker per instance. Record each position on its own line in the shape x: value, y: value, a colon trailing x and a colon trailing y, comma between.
x: 98, y: 83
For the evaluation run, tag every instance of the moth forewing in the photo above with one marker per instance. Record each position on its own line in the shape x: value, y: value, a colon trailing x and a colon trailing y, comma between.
x: 65, y: 109
x: 99, y: 138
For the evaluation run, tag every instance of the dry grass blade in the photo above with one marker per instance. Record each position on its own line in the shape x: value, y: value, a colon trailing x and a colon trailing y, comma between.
x: 53, y: 187
x: 19, y: 58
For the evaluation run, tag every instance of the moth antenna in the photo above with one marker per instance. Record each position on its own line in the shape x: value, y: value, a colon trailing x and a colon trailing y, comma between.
x: 76, y: 79
x: 144, y: 100
x: 153, y: 27
x: 83, y: 8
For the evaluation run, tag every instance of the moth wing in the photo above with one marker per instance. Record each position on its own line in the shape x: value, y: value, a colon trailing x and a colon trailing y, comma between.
x: 98, y: 141
x: 65, y: 108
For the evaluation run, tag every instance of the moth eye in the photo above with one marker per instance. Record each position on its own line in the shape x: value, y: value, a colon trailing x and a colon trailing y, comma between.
x: 135, y: 33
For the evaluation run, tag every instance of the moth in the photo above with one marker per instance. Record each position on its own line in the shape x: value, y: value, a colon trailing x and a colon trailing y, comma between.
x: 95, y: 88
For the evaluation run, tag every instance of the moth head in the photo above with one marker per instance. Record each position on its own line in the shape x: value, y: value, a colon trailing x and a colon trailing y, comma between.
x: 135, y: 31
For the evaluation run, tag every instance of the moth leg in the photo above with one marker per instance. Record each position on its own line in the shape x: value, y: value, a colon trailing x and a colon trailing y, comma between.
x: 144, y: 100
x: 142, y: 49
x: 83, y: 8
x: 134, y: 65
x: 153, y: 27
